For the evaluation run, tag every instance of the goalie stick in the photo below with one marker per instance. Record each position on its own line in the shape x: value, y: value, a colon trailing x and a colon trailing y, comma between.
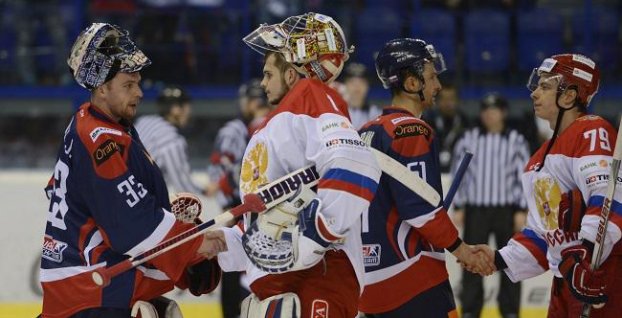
x: 604, y: 212
x: 263, y: 199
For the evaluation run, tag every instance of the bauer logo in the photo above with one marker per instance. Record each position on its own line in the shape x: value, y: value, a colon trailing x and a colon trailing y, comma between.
x: 53, y: 249
x: 319, y: 308
x: 371, y: 254
x: 95, y: 133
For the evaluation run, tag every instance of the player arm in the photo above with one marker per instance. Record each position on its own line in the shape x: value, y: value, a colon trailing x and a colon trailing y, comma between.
x: 130, y: 218
x: 591, y: 173
x: 349, y: 172
x: 524, y: 256
x: 230, y: 260
x: 431, y: 221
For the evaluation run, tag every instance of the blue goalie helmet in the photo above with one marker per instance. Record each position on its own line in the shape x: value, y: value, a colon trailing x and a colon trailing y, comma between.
x: 405, y: 54
x: 100, y: 52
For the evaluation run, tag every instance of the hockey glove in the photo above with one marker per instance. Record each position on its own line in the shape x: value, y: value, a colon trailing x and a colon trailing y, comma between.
x: 586, y: 285
x: 186, y: 207
x: 312, y: 237
x: 268, y: 241
x: 571, y: 211
x: 203, y: 277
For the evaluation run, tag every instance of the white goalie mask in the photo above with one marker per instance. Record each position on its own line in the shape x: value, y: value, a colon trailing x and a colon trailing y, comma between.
x: 313, y: 43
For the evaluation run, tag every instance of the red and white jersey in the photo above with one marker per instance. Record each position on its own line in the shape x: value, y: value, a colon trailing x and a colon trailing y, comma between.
x: 310, y: 127
x: 579, y: 159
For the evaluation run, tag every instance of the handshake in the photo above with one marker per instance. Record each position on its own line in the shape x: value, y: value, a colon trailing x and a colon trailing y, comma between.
x: 478, y: 259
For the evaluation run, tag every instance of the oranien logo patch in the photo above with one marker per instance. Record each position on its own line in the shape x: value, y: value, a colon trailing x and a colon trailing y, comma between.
x: 106, y: 150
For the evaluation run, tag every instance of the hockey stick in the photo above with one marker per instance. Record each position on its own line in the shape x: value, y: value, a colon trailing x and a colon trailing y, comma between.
x: 405, y: 176
x: 464, y: 164
x: 604, y: 212
x: 263, y: 199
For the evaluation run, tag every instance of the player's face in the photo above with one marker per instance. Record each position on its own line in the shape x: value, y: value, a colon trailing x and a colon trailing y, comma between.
x: 448, y: 101
x: 432, y: 85
x: 545, y: 98
x: 122, y: 95
x: 273, y: 81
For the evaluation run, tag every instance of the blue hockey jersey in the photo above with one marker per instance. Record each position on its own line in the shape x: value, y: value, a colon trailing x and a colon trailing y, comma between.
x: 403, y: 235
x: 108, y: 201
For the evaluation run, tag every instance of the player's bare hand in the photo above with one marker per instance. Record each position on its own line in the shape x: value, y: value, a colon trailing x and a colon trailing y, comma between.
x: 213, y: 243
x: 475, y: 260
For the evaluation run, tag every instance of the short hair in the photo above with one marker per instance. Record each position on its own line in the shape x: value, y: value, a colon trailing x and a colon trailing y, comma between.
x: 279, y: 61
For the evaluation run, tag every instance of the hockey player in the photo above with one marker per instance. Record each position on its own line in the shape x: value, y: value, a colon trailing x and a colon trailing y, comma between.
x: 404, y: 236
x: 309, y: 125
x: 108, y: 199
x: 565, y: 183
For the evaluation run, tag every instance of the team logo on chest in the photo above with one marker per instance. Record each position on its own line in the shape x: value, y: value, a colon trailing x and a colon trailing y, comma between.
x: 254, y: 166
x: 548, y: 196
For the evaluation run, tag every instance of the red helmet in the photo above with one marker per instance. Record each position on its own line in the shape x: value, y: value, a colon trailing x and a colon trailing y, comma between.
x: 573, y: 70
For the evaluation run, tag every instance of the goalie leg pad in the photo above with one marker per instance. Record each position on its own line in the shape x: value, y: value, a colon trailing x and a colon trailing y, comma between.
x: 160, y: 307
x: 285, y: 305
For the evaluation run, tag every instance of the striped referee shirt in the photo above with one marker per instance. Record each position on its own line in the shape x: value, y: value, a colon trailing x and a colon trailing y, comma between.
x: 169, y: 150
x: 493, y: 178
x: 227, y: 156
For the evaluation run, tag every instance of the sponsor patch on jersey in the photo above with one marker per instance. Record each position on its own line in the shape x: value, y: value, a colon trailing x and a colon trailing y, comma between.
x: 95, y: 133
x: 319, y: 308
x: 397, y: 120
x: 594, y: 180
x: 588, y: 166
x: 338, y: 142
x: 409, y: 130
x: 371, y: 254
x: 106, y: 150
x: 53, y: 249
x: 335, y: 124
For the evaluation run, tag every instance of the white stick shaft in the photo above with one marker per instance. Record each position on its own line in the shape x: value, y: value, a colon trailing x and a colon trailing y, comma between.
x: 406, y: 177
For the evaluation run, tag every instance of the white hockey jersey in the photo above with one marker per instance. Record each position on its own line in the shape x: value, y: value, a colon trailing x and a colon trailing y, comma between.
x: 310, y: 126
x: 579, y: 159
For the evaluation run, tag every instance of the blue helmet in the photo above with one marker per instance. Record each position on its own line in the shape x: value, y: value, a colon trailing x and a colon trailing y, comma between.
x: 405, y: 54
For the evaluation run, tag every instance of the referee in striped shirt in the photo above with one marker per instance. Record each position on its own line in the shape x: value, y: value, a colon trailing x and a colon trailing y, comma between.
x: 161, y: 137
x: 490, y: 199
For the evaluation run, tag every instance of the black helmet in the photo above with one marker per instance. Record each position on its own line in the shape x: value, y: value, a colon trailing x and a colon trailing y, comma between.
x: 173, y: 95
x: 495, y: 100
x: 405, y: 53
x: 252, y: 89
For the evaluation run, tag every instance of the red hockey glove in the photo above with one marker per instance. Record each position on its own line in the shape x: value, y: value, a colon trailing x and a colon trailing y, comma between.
x: 586, y: 285
x: 571, y: 211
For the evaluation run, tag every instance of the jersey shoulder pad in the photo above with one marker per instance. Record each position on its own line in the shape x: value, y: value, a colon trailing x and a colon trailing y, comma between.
x: 410, y: 136
x: 106, y: 143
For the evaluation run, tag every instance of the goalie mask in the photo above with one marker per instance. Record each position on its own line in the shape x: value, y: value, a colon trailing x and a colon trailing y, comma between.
x: 100, y: 52
x: 313, y: 43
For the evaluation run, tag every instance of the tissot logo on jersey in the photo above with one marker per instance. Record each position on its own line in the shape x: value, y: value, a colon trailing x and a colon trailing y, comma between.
x: 411, y: 130
x: 345, y: 142
x: 106, y: 150
x: 53, y: 249
x: 95, y: 133
x: 599, y: 178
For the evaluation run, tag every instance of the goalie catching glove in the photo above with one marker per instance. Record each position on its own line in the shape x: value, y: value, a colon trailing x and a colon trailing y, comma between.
x: 292, y: 236
x: 186, y: 207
